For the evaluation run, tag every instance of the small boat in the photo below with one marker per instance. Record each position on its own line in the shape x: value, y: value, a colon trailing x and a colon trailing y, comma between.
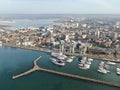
x: 102, y: 63
x: 72, y: 57
x: 90, y: 59
x: 84, y: 66
x: 54, y: 54
x: 103, y: 68
x: 89, y: 62
x: 118, y: 71
x: 102, y: 71
x: 87, y: 66
x: 111, y: 63
x: 69, y: 60
x: 57, y: 62
x: 60, y: 57
x: 81, y: 65
x: 83, y: 61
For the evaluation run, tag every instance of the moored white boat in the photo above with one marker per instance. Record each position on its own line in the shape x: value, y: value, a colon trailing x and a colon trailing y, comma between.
x: 85, y: 63
x: 118, y: 71
x: 84, y: 66
x: 102, y: 63
x: 58, y: 55
x: 102, y: 71
x: 90, y: 59
x: 54, y: 54
x: 69, y: 60
x: 111, y: 63
x: 103, y: 68
x: 57, y: 62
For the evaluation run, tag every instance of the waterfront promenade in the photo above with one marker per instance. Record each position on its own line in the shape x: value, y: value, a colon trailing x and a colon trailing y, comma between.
x: 37, y: 68
x: 96, y: 57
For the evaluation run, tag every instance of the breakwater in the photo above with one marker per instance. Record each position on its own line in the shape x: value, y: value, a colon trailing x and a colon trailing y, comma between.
x: 37, y: 68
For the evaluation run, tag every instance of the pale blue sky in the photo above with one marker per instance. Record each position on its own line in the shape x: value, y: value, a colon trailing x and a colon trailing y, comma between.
x: 60, y: 6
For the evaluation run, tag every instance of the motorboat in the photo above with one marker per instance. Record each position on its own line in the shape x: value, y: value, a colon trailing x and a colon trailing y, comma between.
x: 102, y: 63
x: 72, y: 57
x: 57, y: 62
x: 90, y: 59
x: 118, y: 71
x: 69, y: 60
x: 58, y: 55
x: 111, y: 63
x: 54, y: 54
x: 84, y: 66
x: 102, y: 71
x: 103, y: 68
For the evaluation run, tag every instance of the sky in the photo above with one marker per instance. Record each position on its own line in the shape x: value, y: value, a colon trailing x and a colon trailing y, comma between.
x: 59, y: 6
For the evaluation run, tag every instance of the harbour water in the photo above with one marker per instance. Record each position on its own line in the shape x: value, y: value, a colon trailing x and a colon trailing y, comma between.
x: 14, y: 61
x: 20, y: 23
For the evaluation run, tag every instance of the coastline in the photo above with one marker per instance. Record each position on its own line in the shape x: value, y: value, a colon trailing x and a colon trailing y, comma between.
x: 27, y: 48
x: 97, y: 57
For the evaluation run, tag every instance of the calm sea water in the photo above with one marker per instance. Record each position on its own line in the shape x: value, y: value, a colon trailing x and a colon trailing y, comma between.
x: 14, y: 61
x: 19, y: 23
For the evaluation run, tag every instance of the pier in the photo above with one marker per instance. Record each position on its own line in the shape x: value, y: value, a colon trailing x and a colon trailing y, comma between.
x: 37, y: 68
x: 80, y: 77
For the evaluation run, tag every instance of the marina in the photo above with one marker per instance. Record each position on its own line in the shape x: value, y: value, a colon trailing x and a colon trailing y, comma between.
x: 36, y: 67
x: 44, y: 62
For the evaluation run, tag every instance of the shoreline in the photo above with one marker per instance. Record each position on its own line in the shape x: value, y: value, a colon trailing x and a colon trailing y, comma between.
x: 97, y: 57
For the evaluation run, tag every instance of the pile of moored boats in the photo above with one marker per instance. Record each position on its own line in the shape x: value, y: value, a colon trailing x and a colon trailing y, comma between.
x: 60, y: 59
x: 118, y: 71
x: 103, y: 68
x: 85, y: 63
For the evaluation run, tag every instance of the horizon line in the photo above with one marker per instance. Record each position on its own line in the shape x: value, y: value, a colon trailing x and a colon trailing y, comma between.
x: 67, y: 13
